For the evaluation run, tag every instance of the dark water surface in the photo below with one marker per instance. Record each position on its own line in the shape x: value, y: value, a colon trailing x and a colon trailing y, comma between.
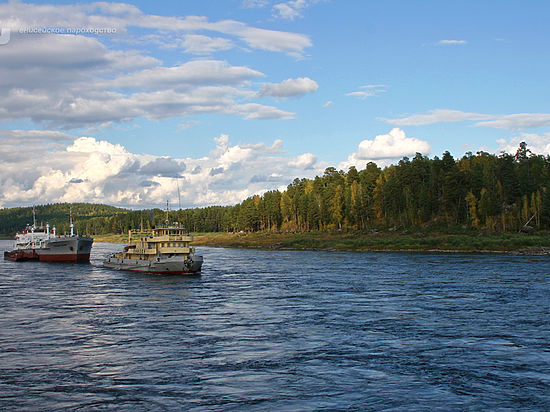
x: 279, y: 330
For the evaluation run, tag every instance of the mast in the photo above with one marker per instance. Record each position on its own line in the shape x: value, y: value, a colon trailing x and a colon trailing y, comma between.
x: 71, y: 220
x: 179, y: 196
x: 166, y: 213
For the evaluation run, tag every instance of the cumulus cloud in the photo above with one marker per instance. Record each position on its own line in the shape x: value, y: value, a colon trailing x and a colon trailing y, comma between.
x: 304, y: 161
x: 385, y: 149
x: 368, y: 90
x: 518, y: 121
x: 289, y: 88
x: 92, y: 170
x: 539, y: 144
x: 163, y: 166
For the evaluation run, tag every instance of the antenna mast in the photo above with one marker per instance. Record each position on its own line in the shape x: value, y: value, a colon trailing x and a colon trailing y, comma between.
x: 179, y: 197
x: 71, y: 220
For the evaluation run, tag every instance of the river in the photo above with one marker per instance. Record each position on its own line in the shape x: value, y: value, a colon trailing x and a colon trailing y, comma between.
x: 278, y: 330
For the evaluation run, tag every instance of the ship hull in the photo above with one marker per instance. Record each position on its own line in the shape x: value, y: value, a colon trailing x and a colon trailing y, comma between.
x: 21, y: 255
x: 73, y: 249
x: 175, y: 265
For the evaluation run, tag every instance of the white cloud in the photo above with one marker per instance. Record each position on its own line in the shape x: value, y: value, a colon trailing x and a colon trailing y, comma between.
x: 92, y: 170
x: 187, y: 125
x: 304, y: 161
x: 385, y: 149
x: 518, y: 121
x: 451, y: 42
x: 121, y: 16
x: 35, y: 135
x: 369, y: 90
x: 14, y: 142
x: 289, y: 88
x: 250, y: 4
x: 200, y: 44
x: 538, y: 144
x: 330, y: 103
x: 193, y: 73
x: 285, y: 42
x: 436, y: 116
x: 291, y: 9
x: 255, y: 111
x: 81, y: 99
x: 65, y: 60
x: 90, y: 85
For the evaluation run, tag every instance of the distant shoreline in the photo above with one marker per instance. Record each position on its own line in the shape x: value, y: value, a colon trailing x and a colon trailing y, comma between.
x: 502, y: 243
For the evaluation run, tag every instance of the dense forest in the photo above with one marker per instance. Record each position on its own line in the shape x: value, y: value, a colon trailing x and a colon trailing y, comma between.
x: 498, y: 193
x: 15, y: 219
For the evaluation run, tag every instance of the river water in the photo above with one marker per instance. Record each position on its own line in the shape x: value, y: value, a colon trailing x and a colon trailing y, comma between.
x: 278, y: 330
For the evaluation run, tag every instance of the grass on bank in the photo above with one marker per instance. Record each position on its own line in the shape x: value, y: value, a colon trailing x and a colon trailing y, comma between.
x: 466, y: 241
x: 377, y: 241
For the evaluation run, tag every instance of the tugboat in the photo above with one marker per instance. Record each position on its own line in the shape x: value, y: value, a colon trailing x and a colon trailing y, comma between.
x: 162, y: 250
x: 165, y: 250
x: 39, y: 243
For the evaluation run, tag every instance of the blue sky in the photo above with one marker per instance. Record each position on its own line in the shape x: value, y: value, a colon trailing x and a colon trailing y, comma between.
x: 226, y: 99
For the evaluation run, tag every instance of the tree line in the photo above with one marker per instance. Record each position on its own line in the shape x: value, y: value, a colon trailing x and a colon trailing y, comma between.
x: 497, y: 192
x: 57, y: 214
x: 506, y: 192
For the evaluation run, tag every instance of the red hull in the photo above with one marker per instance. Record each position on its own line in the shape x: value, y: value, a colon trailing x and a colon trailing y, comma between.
x: 69, y: 257
x: 25, y: 255
x: 20, y: 255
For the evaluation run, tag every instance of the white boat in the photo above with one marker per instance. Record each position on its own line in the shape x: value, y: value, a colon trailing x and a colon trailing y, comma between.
x: 41, y: 243
x: 163, y: 250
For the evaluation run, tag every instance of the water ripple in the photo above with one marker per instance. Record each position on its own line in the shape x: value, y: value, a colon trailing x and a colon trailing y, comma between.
x: 279, y: 330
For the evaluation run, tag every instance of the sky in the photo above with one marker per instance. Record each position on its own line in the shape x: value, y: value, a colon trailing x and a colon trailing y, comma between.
x: 129, y: 104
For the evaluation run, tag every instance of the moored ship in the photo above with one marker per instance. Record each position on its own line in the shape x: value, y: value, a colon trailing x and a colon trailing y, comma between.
x: 163, y: 250
x: 42, y: 244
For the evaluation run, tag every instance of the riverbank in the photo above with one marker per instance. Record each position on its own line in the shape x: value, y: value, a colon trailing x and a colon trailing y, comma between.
x: 386, y: 241
x: 515, y: 243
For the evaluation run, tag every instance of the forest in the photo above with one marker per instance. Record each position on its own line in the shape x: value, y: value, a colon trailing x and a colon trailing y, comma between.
x: 483, y: 191
x: 57, y: 214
